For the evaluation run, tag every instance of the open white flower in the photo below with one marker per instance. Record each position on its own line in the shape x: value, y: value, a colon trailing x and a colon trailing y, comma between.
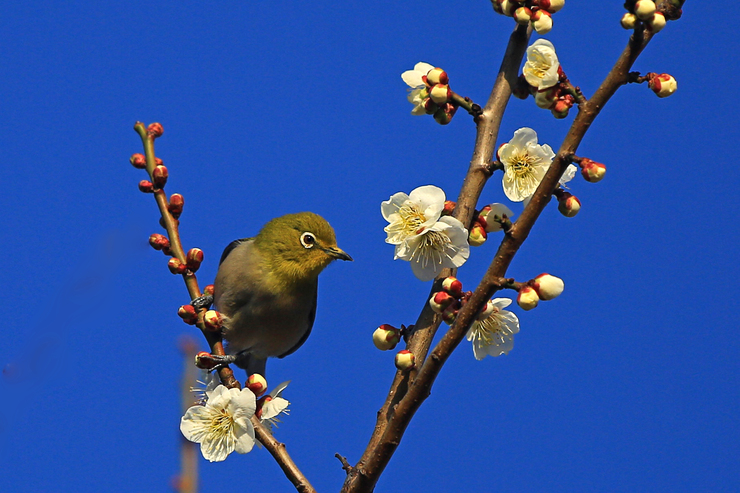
x: 541, y: 67
x: 223, y: 425
x: 494, y: 335
x: 273, y: 405
x: 415, y: 78
x: 568, y: 175
x: 429, y: 242
x: 525, y: 164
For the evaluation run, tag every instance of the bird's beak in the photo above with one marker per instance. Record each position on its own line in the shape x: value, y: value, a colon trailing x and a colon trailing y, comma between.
x: 337, y: 253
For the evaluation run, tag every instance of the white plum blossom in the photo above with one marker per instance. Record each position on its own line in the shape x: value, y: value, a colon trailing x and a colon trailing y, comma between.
x: 222, y: 425
x: 525, y: 164
x: 568, y: 175
x: 494, y: 335
x: 418, y: 91
x: 421, y: 236
x: 274, y: 405
x: 418, y: 97
x: 541, y: 67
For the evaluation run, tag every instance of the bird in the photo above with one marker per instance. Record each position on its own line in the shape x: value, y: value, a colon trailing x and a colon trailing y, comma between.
x: 266, y: 288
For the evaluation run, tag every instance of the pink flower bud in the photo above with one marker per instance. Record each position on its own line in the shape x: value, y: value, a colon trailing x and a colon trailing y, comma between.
x: 155, y: 130
x: 657, y: 22
x: 644, y: 9
x: 477, y: 235
x: 187, y: 314
x: 138, y: 161
x: 542, y: 22
x: 405, y: 360
x: 257, y: 384
x: 522, y: 15
x: 453, y: 286
x: 146, y: 186
x: 437, y: 76
x: 158, y: 241
x: 527, y: 298
x: 440, y: 93
x: 204, y: 361
x: 441, y: 300
x: 159, y: 176
x: 194, y: 258
x: 177, y: 202
x: 386, y: 337
x: 213, y: 320
x: 591, y: 170
x: 548, y: 287
x: 663, y: 85
x: 568, y: 204
x: 176, y: 267
x: 208, y: 290
x: 552, y: 6
x: 629, y: 20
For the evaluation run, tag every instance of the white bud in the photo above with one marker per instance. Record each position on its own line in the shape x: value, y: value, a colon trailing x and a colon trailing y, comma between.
x: 657, y: 22
x: 644, y: 9
x: 527, y: 298
x: 629, y: 21
x: 548, y: 287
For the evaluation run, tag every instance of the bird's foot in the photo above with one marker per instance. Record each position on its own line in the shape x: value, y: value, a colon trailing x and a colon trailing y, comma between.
x: 215, y: 361
x: 202, y: 302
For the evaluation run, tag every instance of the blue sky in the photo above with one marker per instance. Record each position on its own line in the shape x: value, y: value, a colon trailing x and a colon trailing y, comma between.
x: 627, y: 382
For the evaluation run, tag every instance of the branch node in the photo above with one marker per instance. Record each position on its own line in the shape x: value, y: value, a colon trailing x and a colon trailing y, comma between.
x: 345, y: 465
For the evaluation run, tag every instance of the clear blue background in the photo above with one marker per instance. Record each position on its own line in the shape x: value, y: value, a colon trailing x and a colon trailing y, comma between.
x: 627, y: 382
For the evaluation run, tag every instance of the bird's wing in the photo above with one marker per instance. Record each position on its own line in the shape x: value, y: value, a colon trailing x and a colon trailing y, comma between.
x: 230, y: 247
x: 311, y: 318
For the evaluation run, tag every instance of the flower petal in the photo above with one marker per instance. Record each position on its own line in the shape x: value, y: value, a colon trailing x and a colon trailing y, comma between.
x: 391, y: 205
x: 523, y: 137
x: 244, y: 438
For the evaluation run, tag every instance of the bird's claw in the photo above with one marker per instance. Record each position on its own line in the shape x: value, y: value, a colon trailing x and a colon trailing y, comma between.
x: 202, y: 302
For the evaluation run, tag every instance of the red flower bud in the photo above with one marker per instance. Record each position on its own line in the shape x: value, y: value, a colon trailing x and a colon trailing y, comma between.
x: 159, y: 176
x: 194, y: 258
x: 441, y: 300
x: 213, y: 320
x: 177, y: 202
x: 591, y: 170
x: 449, y: 208
x: 188, y: 314
x: 477, y: 235
x: 138, y: 161
x: 437, y: 76
x: 208, y: 290
x: 453, y: 286
x: 257, y: 384
x: 158, y: 241
x: 155, y: 130
x: 146, y: 186
x: 176, y: 267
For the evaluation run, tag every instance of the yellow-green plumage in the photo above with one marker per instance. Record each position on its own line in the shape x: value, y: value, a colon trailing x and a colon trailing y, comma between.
x: 266, y: 287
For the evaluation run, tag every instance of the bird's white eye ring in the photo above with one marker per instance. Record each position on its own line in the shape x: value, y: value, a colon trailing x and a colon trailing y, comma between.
x: 308, y: 240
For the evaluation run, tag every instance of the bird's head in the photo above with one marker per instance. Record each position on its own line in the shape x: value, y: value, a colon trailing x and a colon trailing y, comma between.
x: 297, y: 247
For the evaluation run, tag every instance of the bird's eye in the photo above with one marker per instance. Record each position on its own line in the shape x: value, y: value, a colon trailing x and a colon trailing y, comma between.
x: 308, y: 240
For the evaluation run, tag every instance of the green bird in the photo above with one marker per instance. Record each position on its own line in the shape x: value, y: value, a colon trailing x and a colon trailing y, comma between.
x: 266, y: 288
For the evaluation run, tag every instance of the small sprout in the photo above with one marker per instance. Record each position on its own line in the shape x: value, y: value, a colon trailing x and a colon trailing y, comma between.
x: 213, y: 320
x: 386, y: 337
x: 138, y: 161
x: 548, y: 287
x: 176, y: 267
x: 257, y: 384
x: 527, y: 298
x: 405, y: 360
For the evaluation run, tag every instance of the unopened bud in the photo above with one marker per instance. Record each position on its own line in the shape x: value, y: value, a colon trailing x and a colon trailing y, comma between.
x: 158, y: 161
x: 213, y: 320
x: 187, y: 314
x: 477, y: 235
x: 568, y: 204
x: 527, y: 298
x: 405, y: 360
x: 430, y: 107
x: 138, y: 160
x: 508, y: 7
x: 448, y: 208
x: 548, y: 287
x: 453, y: 286
x: 208, y: 290
x: 542, y: 22
x: 562, y: 105
x: 546, y: 99
x: 437, y: 76
x: 386, y: 337
x: 443, y: 117
x: 522, y: 15
x: 159, y: 176
x: 194, y: 258
x: 158, y: 241
x: 204, y: 361
x: 440, y: 93
x: 450, y: 313
x: 155, y: 130
x: 146, y: 186
x: 257, y: 384
x: 657, y: 22
x: 176, y: 267
x: 441, y: 300
x: 552, y: 6
x: 591, y: 170
x: 663, y: 85
x: 644, y: 9
x: 560, y: 114
x: 629, y: 20
x: 177, y: 202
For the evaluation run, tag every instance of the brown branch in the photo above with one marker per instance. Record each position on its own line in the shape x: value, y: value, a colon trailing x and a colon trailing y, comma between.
x: 281, y: 456
x: 368, y: 469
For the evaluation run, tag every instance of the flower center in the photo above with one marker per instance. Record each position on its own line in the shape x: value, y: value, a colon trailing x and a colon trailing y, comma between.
x: 539, y: 65
x: 412, y: 218
x: 432, y: 247
x: 491, y: 331
x: 521, y: 164
x: 221, y: 423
